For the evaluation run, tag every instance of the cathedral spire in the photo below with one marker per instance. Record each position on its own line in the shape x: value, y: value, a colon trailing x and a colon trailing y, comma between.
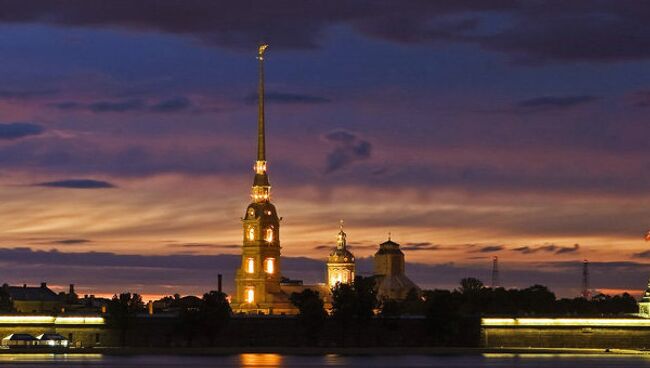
x: 261, y: 191
x: 261, y: 149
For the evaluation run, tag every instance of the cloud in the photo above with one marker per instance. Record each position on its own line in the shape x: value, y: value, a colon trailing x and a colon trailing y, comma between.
x: 26, y: 94
x: 348, y: 149
x: 639, y: 98
x: 548, y: 248
x: 170, y: 105
x: 205, y: 245
x: 528, y: 31
x: 10, y: 131
x: 491, y: 248
x: 554, y: 102
x: 72, y: 241
x: 644, y: 254
x: 287, y: 98
x: 174, y: 104
x: 77, y: 184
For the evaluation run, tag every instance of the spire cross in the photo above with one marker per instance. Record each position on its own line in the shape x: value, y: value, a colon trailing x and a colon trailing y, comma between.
x: 389, y: 235
x: 341, y: 225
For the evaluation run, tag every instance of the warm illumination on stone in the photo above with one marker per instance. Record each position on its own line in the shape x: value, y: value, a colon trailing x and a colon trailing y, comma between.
x: 251, y: 233
x: 269, y: 265
x: 250, y: 265
x: 269, y: 235
x: 250, y: 295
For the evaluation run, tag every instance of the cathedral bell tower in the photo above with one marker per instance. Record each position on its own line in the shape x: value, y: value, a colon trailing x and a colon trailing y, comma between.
x: 258, y: 277
x: 340, y: 263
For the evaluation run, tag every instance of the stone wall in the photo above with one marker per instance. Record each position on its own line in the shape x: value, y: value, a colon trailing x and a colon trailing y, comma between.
x: 567, y: 337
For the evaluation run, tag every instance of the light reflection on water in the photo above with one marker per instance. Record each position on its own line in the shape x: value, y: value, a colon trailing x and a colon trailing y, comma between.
x: 329, y: 360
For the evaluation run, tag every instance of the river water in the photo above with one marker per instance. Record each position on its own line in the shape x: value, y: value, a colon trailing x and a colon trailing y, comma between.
x: 293, y: 361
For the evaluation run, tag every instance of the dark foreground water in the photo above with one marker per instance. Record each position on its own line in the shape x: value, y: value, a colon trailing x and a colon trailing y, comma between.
x: 276, y: 360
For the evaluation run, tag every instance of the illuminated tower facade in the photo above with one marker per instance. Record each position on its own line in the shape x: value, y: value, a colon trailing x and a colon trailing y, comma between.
x: 258, y: 278
x: 340, y: 263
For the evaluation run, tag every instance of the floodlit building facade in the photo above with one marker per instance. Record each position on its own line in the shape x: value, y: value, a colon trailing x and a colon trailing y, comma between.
x: 390, y: 276
x: 340, y: 263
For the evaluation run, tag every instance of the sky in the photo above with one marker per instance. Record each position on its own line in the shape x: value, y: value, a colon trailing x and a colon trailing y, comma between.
x: 465, y: 129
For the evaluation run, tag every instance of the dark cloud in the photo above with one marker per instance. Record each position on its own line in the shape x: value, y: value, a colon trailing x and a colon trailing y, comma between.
x: 116, y: 106
x: 239, y: 25
x: 26, y: 94
x: 10, y: 131
x: 548, y: 248
x: 172, y: 105
x: 77, y: 184
x: 639, y: 98
x: 95, y: 272
x: 554, y: 102
x: 72, y: 241
x: 205, y: 245
x: 491, y: 248
x: 423, y: 246
x: 287, y: 98
x: 348, y: 149
x: 644, y: 254
x: 530, y: 31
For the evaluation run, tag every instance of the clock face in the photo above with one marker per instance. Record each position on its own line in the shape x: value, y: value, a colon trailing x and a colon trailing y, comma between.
x: 251, y: 212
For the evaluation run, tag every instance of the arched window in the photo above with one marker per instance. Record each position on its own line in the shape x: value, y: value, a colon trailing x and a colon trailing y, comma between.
x: 269, y: 265
x: 269, y: 235
x: 250, y: 295
x: 250, y: 265
x: 251, y: 233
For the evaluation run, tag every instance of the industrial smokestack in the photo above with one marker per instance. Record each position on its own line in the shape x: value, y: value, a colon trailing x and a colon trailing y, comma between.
x: 219, y: 279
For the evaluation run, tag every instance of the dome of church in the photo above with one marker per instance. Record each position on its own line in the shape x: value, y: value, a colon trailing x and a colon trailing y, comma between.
x: 339, y: 255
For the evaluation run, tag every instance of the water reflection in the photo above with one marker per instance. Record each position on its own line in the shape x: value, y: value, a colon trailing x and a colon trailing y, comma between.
x: 260, y: 360
x: 48, y: 357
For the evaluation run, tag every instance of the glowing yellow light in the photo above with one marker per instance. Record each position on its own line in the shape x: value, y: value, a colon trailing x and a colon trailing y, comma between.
x: 250, y: 265
x: 51, y: 320
x: 584, y: 322
x: 260, y: 167
x: 251, y: 233
x: 250, y: 295
x: 269, y: 265
x: 269, y: 235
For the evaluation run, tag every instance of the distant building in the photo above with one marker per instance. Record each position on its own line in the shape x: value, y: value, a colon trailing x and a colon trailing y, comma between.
x: 390, y: 276
x: 28, y: 299
x: 644, y: 304
x: 340, y: 263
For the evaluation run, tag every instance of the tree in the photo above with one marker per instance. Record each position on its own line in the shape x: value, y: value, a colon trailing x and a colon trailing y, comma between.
x: 311, y: 315
x: 6, y: 305
x: 354, y: 302
x: 470, y: 286
x: 215, y: 313
x: 122, y: 310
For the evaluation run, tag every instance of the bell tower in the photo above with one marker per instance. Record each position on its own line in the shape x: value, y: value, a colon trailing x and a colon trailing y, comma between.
x: 340, y: 263
x: 258, y: 278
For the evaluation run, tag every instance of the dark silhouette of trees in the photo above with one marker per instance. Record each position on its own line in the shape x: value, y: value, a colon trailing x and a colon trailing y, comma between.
x: 122, y: 311
x: 5, y: 301
x: 215, y: 314
x: 354, y: 304
x: 311, y: 315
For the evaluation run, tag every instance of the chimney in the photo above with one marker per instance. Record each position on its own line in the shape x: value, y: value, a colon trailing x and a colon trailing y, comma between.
x: 219, y: 279
x: 43, y: 285
x: 71, y: 289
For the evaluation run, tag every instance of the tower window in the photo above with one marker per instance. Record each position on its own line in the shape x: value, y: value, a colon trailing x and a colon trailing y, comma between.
x: 251, y: 233
x: 269, y: 265
x: 250, y: 265
x: 269, y: 235
x: 250, y: 295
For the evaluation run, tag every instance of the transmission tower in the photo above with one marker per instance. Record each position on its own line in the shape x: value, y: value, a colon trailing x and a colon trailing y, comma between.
x: 586, y: 293
x: 495, y: 272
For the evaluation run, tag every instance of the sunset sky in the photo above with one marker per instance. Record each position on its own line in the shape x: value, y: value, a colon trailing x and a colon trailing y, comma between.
x: 467, y: 129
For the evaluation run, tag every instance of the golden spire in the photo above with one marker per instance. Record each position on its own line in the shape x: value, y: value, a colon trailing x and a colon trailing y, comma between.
x: 261, y: 191
x: 261, y: 149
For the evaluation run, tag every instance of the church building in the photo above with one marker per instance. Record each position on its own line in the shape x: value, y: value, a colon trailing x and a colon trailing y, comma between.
x: 340, y: 263
x: 257, y: 281
x: 390, y: 276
